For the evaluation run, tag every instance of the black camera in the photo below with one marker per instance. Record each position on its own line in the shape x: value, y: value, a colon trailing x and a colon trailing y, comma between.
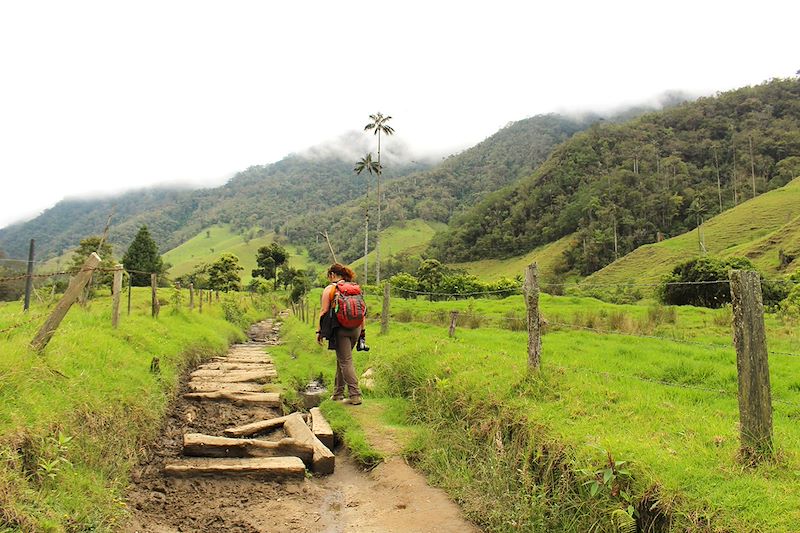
x: 361, y: 345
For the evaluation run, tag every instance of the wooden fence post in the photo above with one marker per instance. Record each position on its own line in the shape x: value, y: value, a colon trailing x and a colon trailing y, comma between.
x: 191, y: 296
x: 453, y: 318
x: 130, y: 289
x: 750, y: 341
x: 29, y: 279
x: 116, y: 294
x: 156, y: 307
x: 200, y: 300
x: 534, y: 326
x: 72, y: 294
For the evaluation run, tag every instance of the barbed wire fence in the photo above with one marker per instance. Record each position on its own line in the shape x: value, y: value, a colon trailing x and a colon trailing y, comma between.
x: 748, y: 340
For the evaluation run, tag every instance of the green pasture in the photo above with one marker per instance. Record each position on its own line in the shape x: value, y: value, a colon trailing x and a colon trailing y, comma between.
x: 757, y: 228
x: 411, y: 236
x: 74, y: 418
x: 520, y: 452
x: 208, y: 245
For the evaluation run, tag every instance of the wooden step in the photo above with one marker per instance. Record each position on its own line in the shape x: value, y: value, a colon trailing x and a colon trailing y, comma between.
x: 200, y: 445
x: 267, y: 467
x: 211, y: 372
x: 267, y: 399
x: 254, y: 376
x: 323, y: 460
x: 321, y: 429
x: 225, y: 366
x: 254, y: 428
x: 211, y: 386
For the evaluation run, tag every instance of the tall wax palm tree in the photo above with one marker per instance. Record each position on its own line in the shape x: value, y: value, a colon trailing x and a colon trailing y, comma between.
x: 379, y: 124
x: 372, y: 167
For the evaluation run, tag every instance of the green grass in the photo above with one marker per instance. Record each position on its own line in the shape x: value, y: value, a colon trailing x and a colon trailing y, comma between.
x: 515, y: 451
x: 547, y: 257
x: 207, y: 249
x: 757, y: 228
x: 93, y: 385
x: 411, y: 236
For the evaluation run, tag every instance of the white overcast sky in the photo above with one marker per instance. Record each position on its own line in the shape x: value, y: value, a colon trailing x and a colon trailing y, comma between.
x: 99, y: 97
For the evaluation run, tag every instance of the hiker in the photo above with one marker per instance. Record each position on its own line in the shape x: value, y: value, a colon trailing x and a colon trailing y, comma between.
x: 341, y: 321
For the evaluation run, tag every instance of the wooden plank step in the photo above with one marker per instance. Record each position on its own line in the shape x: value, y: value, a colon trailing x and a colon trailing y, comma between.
x: 323, y: 461
x: 223, y: 365
x: 200, y: 445
x: 255, y: 376
x: 266, y: 467
x: 321, y: 429
x: 211, y: 386
x: 234, y: 372
x: 268, y: 399
x: 254, y: 428
x: 261, y: 359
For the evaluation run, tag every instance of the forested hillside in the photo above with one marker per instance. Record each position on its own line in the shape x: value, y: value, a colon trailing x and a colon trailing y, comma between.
x: 618, y: 186
x: 437, y: 194
x: 263, y: 196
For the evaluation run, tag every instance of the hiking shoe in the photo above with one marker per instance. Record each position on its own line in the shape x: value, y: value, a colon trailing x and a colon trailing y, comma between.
x: 354, y: 400
x: 337, y: 397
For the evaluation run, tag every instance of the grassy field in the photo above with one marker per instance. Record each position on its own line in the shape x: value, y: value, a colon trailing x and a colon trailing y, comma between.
x: 522, y: 453
x: 411, y: 236
x: 74, y: 419
x: 757, y: 228
x: 208, y: 245
x: 547, y: 257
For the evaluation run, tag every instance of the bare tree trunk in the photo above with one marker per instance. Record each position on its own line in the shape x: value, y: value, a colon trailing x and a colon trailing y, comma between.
x: 733, y: 179
x: 366, y: 235
x: 719, y: 182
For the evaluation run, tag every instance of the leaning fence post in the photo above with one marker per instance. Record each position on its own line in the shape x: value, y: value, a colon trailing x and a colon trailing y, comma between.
x: 752, y: 364
x: 534, y: 326
x: 29, y: 279
x: 155, y: 306
x: 387, y: 289
x: 453, y: 318
x: 71, y: 295
x: 116, y: 293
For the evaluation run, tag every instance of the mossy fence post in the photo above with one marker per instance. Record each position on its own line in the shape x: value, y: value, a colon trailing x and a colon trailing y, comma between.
x: 155, y: 306
x: 531, y: 290
x: 200, y: 301
x: 752, y: 364
x: 453, y: 319
x: 116, y: 295
x: 387, y: 291
x: 72, y: 294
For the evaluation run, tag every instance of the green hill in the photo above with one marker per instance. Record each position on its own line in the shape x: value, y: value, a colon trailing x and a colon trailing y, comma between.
x: 758, y: 229
x: 210, y: 244
x: 618, y: 186
x: 548, y: 257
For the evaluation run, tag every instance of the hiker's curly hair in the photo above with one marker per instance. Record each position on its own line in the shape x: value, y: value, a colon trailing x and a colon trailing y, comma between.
x: 341, y: 270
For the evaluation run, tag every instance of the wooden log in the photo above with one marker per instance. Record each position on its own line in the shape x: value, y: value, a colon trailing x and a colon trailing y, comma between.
x: 255, y: 428
x: 71, y: 295
x: 200, y: 445
x: 245, y: 360
x: 321, y: 429
x: 268, y: 399
x: 323, y: 461
x: 265, y: 467
x: 212, y: 386
x: 238, y: 376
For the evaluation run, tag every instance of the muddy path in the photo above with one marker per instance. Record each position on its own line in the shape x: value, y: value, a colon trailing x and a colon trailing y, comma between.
x: 390, y: 498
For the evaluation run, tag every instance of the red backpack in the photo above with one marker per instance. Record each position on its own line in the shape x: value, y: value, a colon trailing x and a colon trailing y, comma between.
x: 348, y: 304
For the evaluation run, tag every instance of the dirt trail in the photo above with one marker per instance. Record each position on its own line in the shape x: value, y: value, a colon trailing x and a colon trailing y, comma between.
x: 390, y: 498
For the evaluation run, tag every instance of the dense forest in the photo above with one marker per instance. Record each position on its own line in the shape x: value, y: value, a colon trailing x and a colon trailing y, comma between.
x: 458, y: 182
x: 618, y: 186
